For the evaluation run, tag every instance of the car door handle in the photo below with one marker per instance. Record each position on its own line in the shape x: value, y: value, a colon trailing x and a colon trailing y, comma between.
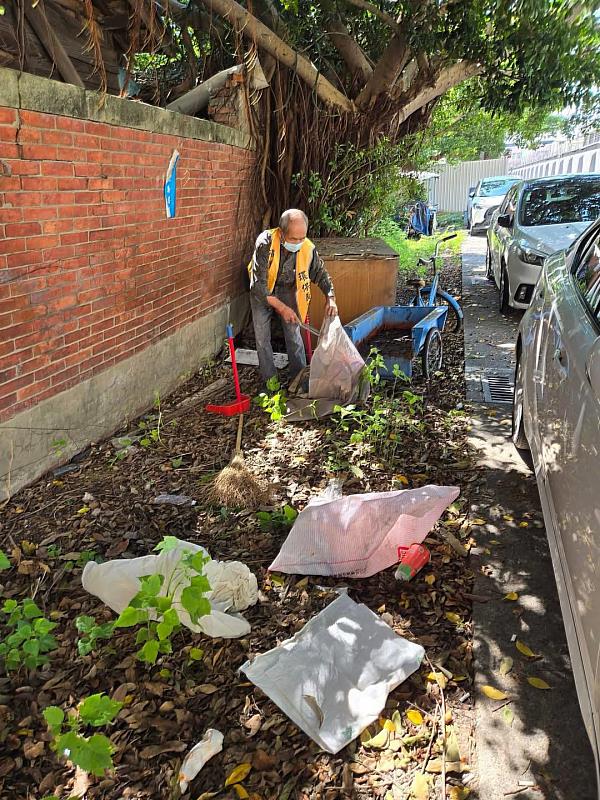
x: 559, y: 355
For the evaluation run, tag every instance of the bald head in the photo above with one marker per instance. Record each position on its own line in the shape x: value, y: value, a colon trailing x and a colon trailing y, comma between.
x: 294, y: 225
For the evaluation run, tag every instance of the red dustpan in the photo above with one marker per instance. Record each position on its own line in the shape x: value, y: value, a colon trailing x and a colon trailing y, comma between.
x: 242, y: 403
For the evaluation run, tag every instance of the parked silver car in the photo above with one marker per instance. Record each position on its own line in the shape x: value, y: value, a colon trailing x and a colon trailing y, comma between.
x: 484, y: 199
x: 556, y: 414
x: 537, y: 218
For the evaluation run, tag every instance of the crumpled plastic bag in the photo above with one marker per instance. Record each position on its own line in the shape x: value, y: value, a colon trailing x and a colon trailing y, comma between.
x: 335, y: 376
x: 359, y: 535
x: 233, y: 588
x: 210, y: 744
x: 336, y: 366
x: 333, y: 677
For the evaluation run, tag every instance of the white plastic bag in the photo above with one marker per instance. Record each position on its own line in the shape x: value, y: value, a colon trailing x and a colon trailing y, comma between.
x: 336, y: 365
x: 233, y: 587
x: 333, y: 677
x: 210, y: 744
x: 359, y: 535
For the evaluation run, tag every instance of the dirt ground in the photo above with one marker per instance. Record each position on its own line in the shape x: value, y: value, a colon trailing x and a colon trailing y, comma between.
x: 102, y: 508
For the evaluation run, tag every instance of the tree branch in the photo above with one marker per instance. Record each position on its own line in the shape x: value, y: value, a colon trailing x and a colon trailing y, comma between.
x: 386, y: 72
x: 377, y: 12
x: 38, y: 20
x: 350, y: 51
x: 251, y: 28
x: 447, y: 78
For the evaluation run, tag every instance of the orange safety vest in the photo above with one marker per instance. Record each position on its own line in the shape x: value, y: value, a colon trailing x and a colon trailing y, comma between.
x: 303, y: 260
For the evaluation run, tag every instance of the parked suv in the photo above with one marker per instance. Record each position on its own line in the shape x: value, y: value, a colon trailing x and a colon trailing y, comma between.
x: 556, y: 414
x: 484, y: 199
x: 537, y: 218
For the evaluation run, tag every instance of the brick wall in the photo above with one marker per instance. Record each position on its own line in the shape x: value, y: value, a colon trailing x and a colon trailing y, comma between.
x: 91, y: 271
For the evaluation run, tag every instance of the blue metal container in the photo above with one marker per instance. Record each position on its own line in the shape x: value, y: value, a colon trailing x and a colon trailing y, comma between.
x: 419, y: 320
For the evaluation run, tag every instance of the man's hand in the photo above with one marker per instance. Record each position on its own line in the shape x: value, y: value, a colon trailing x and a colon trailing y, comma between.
x: 331, y: 309
x: 288, y: 315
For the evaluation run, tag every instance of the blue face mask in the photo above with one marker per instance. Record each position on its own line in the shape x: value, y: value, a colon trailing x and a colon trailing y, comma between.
x: 293, y: 248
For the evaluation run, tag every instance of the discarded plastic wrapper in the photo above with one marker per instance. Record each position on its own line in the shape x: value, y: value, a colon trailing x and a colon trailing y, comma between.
x: 210, y: 744
x: 359, y: 535
x: 233, y: 587
x: 412, y: 559
x: 333, y: 677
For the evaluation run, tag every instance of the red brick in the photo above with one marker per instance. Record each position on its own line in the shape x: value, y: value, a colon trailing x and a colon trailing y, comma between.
x: 23, y: 229
x: 8, y: 116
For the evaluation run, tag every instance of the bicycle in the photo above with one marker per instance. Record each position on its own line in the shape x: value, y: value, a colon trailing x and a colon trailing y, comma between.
x: 432, y: 295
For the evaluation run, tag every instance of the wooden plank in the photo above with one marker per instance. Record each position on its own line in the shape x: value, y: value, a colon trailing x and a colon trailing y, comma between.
x: 53, y: 46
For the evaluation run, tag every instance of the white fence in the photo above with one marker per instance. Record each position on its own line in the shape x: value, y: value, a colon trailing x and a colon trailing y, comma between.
x: 450, y: 190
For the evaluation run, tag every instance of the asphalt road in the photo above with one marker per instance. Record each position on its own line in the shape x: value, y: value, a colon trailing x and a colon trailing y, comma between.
x: 535, y: 747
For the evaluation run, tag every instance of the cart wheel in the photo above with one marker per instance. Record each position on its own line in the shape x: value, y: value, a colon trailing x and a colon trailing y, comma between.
x: 432, y: 354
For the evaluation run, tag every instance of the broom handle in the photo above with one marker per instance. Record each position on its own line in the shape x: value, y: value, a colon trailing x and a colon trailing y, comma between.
x: 238, y: 440
x: 236, y: 378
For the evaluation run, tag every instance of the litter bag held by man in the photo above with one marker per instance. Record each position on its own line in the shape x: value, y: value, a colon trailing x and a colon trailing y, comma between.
x: 337, y: 366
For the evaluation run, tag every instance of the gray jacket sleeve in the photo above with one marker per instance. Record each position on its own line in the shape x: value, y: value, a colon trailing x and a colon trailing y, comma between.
x: 260, y: 265
x: 319, y: 275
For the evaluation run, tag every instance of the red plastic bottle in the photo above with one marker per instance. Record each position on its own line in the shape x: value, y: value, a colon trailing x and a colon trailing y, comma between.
x: 412, y: 559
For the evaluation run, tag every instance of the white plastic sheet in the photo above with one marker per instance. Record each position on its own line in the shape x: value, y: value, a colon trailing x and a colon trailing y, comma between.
x: 359, y: 535
x: 333, y: 677
x: 233, y: 588
x: 336, y: 364
x: 210, y: 744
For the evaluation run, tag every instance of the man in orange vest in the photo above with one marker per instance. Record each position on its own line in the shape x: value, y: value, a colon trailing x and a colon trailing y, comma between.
x: 282, y: 268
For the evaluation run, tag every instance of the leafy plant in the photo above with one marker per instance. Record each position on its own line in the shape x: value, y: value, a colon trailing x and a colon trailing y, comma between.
x: 4, y: 562
x: 54, y: 551
x: 58, y: 445
x: 29, y: 637
x: 90, y: 753
x: 157, y: 606
x: 280, y: 518
x: 91, y: 633
x: 274, y: 401
x: 151, y: 427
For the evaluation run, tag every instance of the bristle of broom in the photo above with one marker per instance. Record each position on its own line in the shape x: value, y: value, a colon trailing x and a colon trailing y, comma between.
x: 236, y: 487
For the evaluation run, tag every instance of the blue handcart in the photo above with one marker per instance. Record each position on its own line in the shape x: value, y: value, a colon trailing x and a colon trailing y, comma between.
x: 419, y: 330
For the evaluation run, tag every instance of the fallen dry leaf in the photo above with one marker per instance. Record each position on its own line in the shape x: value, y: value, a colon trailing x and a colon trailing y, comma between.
x: 511, y: 596
x: 539, y: 683
x: 493, y: 694
x: 419, y: 787
x: 415, y: 717
x: 523, y: 648
x: 238, y: 774
x: 506, y: 665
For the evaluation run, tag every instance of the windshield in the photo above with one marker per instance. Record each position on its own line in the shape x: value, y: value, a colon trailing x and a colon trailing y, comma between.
x: 496, y: 187
x: 559, y: 202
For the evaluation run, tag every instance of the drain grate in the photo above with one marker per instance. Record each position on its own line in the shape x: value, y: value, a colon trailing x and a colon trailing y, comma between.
x: 497, y: 388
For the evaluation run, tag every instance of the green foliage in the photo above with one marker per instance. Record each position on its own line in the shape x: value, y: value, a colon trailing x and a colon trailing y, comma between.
x: 151, y: 426
x: 274, y: 400
x: 58, y: 446
x: 28, y: 637
x: 280, y: 518
x: 410, y: 250
x: 90, y: 753
x: 91, y: 633
x: 4, y: 562
x: 157, y: 606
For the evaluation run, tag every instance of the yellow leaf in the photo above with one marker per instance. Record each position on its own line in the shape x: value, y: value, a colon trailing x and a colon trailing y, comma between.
x: 238, y: 774
x: 493, y: 694
x: 439, y: 678
x: 401, y: 479
x: 538, y: 683
x: 495, y: 541
x: 478, y: 521
x: 430, y: 580
x: 278, y: 580
x: 389, y: 726
x: 522, y: 648
x: 415, y: 717
x: 523, y: 524
x: 459, y: 678
x: 506, y: 665
x: 419, y: 787
x: 241, y: 792
x: 207, y: 688
x: 378, y: 741
x: 450, y: 615
x: 397, y: 720
x: 508, y: 518
x: 302, y: 584
x: 459, y: 793
x: 511, y: 596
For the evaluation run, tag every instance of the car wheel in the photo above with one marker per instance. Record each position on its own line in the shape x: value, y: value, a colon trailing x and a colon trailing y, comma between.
x: 503, y: 293
x: 518, y: 430
x: 489, y: 274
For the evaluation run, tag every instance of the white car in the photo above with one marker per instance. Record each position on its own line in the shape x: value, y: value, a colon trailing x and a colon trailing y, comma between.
x: 537, y: 218
x: 484, y: 199
x: 556, y: 414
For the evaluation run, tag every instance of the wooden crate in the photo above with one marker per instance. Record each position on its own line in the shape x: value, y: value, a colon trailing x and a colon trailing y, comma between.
x: 364, y: 274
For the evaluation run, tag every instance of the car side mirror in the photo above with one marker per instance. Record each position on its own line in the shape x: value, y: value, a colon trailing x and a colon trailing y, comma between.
x: 505, y: 220
x: 472, y: 191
